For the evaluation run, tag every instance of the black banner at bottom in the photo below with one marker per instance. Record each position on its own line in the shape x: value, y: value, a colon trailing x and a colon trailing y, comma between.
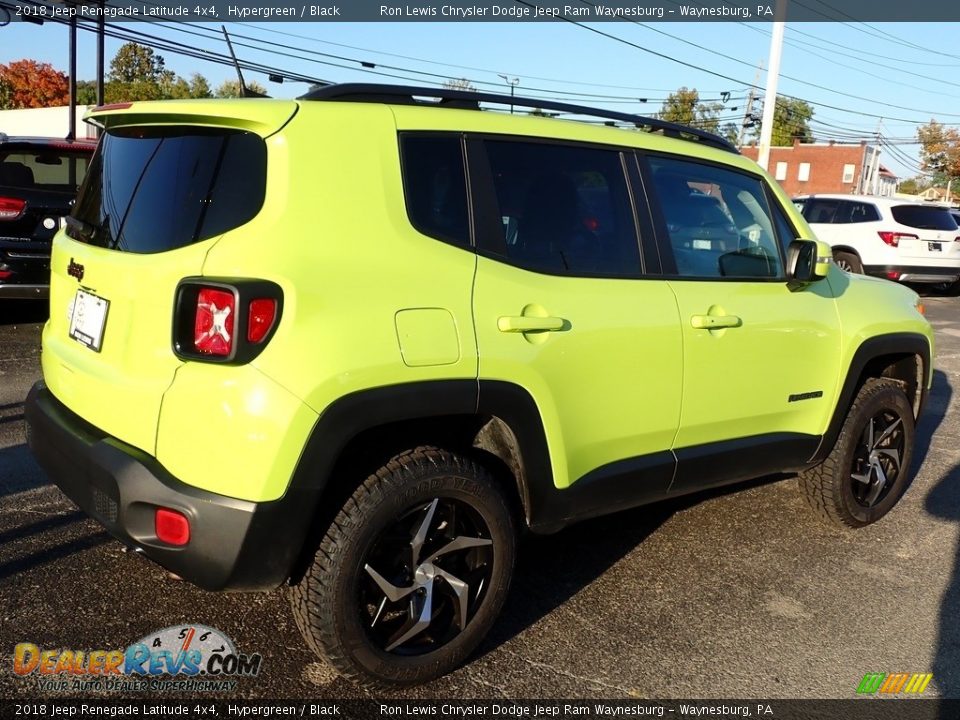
x: 854, y: 709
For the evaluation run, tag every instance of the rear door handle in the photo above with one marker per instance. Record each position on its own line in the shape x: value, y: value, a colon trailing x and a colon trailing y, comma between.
x: 528, y: 323
x: 713, y: 322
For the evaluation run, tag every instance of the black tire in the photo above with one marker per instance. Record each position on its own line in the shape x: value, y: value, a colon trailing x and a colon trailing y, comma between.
x: 950, y: 289
x: 335, y: 601
x: 848, y: 261
x: 833, y: 489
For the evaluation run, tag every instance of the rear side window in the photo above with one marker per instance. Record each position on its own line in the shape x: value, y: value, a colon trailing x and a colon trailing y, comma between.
x: 50, y: 170
x: 718, y: 221
x: 923, y: 217
x: 816, y: 210
x: 564, y: 209
x: 863, y: 212
x: 150, y: 190
x: 434, y: 186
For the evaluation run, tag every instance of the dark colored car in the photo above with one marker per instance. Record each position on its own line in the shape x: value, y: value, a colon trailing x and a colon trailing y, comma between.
x: 39, y: 178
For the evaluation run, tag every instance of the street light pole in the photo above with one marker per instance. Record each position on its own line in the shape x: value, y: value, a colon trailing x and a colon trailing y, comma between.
x: 512, y: 82
x: 773, y: 75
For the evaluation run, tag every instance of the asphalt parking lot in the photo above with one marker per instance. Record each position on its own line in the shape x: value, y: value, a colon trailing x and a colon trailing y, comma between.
x: 734, y: 594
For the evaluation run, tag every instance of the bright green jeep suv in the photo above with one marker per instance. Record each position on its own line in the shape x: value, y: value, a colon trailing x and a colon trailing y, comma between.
x: 357, y: 342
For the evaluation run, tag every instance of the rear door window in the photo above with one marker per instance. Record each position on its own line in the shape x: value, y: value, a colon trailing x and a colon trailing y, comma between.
x: 150, y: 190
x: 563, y: 209
x: 923, y: 217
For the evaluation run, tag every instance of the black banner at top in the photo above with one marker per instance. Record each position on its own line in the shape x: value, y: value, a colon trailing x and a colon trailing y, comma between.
x: 481, y: 10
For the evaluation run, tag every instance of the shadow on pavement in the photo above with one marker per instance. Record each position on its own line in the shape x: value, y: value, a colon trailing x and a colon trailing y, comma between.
x: 552, y: 569
x: 57, y: 552
x: 41, y: 526
x: 944, y: 502
x: 19, y: 471
x: 16, y: 312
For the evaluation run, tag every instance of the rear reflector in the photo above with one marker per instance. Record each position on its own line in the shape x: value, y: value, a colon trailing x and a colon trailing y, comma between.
x: 213, y: 322
x: 893, y: 275
x: 11, y: 208
x: 893, y: 238
x: 172, y: 527
x: 263, y: 311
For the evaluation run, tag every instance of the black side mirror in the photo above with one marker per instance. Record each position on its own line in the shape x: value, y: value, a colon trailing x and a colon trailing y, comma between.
x: 806, y: 262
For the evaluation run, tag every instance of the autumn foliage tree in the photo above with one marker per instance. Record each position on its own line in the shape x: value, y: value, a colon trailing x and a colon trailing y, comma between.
x: 31, y: 84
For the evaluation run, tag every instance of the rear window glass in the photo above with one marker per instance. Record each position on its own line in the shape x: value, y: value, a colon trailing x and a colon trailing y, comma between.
x: 50, y: 170
x: 149, y: 190
x: 924, y: 218
x: 435, y: 186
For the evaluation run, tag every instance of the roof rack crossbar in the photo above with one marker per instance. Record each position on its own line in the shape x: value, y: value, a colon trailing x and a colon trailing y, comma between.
x: 467, y: 99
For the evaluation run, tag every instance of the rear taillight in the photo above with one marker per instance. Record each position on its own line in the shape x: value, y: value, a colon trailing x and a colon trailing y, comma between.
x: 893, y: 238
x: 225, y: 320
x: 214, y: 321
x: 11, y: 208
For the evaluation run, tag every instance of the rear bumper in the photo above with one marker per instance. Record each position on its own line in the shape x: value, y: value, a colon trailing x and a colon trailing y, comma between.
x: 24, y: 292
x: 234, y: 544
x: 914, y: 273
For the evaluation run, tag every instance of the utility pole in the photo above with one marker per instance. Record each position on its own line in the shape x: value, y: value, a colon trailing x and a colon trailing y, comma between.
x: 749, y: 109
x: 72, y: 132
x: 101, y: 31
x: 773, y: 76
x: 512, y: 82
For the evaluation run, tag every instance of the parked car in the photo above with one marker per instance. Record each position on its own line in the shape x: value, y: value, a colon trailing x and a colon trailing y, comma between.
x: 356, y: 342
x: 39, y: 178
x: 887, y: 237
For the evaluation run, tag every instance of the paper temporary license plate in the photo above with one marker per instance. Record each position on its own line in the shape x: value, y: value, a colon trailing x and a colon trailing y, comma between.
x: 88, y: 319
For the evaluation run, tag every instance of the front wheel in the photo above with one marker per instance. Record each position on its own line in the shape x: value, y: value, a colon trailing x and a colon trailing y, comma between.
x: 412, y: 572
x: 848, y: 262
x: 867, y: 471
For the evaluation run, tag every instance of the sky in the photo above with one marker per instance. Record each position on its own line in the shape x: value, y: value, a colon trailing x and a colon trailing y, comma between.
x: 862, y: 79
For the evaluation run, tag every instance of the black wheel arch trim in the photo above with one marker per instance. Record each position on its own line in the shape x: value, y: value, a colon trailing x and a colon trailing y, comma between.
x: 905, y: 343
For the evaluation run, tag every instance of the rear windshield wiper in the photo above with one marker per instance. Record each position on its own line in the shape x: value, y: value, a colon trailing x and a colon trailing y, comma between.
x: 81, y: 229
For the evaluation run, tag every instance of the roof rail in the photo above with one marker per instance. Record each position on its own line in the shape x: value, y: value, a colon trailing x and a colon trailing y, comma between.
x: 470, y: 100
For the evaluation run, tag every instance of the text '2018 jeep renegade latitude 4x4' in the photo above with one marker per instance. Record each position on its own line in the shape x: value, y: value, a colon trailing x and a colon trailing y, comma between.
x: 356, y: 342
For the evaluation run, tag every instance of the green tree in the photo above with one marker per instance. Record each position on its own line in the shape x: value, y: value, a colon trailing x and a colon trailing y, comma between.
x: 231, y: 88
x: 791, y: 120
x: 684, y: 107
x: 86, y: 92
x: 914, y: 185
x: 939, y: 150
x: 137, y: 63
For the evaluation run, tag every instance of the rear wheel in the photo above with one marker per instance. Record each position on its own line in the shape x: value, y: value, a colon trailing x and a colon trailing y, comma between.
x: 951, y: 289
x: 412, y: 573
x: 867, y: 471
x: 848, y: 261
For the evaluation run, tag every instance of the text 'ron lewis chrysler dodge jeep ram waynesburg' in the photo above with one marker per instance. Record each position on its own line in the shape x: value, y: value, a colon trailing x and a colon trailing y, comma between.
x: 356, y: 342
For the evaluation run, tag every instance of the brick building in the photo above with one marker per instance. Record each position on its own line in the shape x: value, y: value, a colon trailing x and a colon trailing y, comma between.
x: 828, y: 168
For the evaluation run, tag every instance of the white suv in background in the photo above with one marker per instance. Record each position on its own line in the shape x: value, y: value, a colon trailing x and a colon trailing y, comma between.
x: 886, y: 237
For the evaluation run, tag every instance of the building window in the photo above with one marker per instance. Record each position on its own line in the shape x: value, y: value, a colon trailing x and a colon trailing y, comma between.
x: 803, y: 174
x: 848, y: 173
x: 781, y: 171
